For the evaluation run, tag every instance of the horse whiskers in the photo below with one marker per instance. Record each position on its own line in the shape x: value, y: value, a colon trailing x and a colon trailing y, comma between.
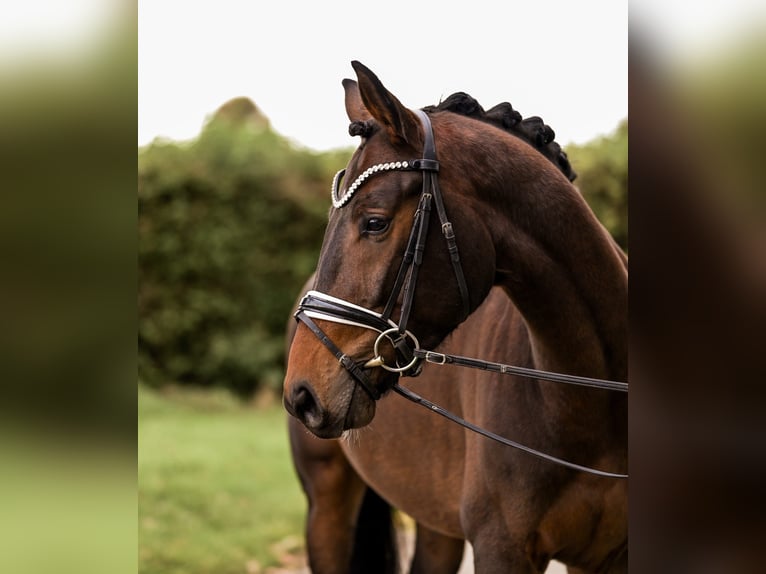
x: 353, y: 436
x: 350, y: 436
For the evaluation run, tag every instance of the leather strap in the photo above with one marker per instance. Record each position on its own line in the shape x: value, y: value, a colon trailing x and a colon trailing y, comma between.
x: 430, y: 179
x: 407, y: 275
x: 446, y: 359
x: 434, y: 408
x: 352, y: 367
x: 342, y: 310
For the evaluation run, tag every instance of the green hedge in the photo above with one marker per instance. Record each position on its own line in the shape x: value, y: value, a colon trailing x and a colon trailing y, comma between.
x: 230, y: 227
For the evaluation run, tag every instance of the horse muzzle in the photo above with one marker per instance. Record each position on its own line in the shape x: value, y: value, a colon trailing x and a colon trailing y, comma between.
x: 352, y: 408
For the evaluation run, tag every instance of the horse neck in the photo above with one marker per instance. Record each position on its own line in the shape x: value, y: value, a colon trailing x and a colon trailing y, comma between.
x: 557, y: 263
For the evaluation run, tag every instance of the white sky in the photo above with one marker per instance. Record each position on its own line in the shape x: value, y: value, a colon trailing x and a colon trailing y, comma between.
x: 564, y: 60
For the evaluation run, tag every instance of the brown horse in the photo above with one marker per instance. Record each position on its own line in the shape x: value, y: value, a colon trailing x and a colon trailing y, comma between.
x: 519, y: 224
x: 325, y: 473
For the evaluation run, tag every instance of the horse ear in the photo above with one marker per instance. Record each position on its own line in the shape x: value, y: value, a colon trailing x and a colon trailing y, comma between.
x: 354, y: 107
x: 401, y: 124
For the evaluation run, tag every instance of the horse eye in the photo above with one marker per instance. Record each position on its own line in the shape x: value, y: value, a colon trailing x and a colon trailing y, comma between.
x: 375, y: 225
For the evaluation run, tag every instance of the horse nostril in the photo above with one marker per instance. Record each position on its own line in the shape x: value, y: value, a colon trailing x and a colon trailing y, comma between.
x: 304, y: 403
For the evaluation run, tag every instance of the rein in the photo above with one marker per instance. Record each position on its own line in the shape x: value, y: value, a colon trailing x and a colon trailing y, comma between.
x: 418, y: 400
x: 446, y: 359
x: 317, y: 305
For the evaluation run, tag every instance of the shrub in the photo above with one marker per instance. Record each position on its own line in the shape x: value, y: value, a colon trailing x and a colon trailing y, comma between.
x: 230, y: 227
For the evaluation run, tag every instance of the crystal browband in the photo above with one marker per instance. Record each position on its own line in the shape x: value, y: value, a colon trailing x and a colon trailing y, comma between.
x: 339, y: 200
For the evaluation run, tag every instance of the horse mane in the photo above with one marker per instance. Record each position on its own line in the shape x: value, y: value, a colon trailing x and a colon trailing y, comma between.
x: 532, y: 129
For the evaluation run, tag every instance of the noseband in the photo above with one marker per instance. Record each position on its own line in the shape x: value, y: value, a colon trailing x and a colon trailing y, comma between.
x: 317, y: 305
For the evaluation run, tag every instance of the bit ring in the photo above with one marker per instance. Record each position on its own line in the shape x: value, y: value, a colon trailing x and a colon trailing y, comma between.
x: 378, y: 358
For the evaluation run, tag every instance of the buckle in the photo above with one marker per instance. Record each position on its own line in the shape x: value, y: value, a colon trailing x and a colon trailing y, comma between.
x: 433, y: 358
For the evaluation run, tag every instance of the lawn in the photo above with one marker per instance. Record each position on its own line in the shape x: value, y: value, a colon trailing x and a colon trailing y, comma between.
x: 216, y: 488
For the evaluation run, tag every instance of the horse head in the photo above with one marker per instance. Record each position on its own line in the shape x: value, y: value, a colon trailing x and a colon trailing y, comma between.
x: 367, y: 236
x: 434, y: 207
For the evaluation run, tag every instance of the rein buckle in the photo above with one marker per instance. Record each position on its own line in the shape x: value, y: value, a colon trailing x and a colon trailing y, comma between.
x: 436, y: 358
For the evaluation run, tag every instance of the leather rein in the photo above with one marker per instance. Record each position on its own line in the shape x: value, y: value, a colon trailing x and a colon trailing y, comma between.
x: 409, y: 356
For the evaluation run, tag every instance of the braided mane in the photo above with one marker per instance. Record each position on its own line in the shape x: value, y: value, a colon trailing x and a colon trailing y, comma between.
x: 532, y: 129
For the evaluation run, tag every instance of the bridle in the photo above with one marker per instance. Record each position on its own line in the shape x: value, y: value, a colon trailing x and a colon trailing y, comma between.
x: 409, y: 356
x: 316, y: 305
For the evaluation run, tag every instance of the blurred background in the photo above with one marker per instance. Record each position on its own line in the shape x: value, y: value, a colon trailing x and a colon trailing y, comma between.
x: 215, y: 229
x: 67, y: 287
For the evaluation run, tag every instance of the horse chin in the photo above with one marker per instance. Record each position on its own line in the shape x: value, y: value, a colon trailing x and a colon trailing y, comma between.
x: 361, y: 410
x: 334, y: 431
x: 361, y: 406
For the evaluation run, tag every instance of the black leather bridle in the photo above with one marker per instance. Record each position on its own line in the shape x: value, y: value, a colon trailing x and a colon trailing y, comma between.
x: 318, y: 305
x: 409, y: 356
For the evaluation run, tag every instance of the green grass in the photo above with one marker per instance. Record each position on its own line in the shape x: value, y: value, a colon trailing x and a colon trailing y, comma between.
x: 216, y: 487
x: 68, y: 500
